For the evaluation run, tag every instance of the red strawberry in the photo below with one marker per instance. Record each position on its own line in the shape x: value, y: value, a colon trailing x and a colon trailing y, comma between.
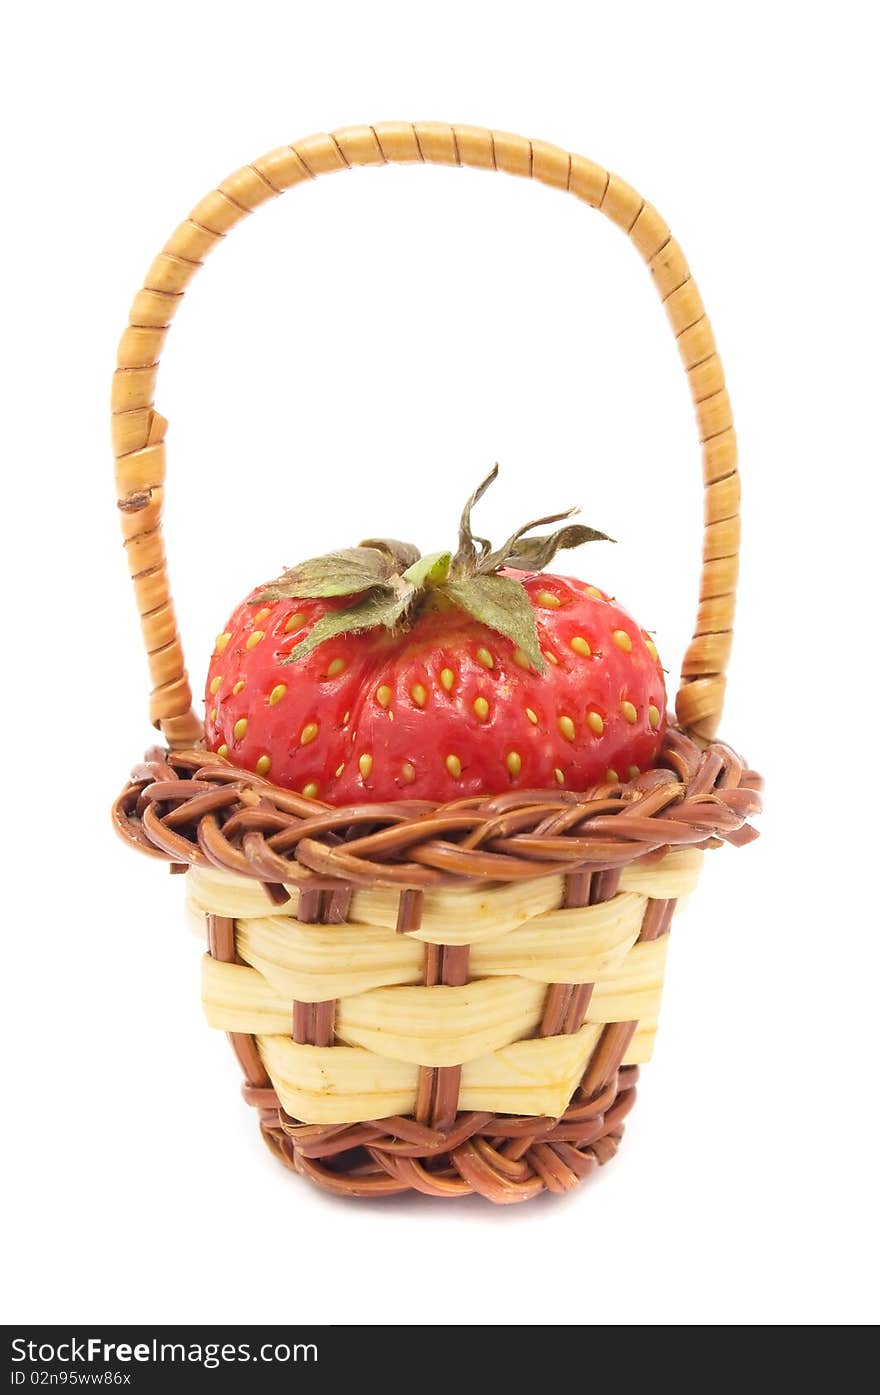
x: 374, y: 675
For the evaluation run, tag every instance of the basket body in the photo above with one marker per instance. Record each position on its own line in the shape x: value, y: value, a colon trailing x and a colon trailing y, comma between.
x: 489, y: 1045
x: 451, y: 999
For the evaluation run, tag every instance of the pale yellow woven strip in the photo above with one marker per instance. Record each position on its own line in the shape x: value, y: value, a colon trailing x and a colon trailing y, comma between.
x: 673, y: 876
x: 442, y: 1026
x: 641, y: 1048
x: 238, y: 999
x: 436, y: 1026
x: 529, y: 1077
x: 633, y: 991
x: 338, y: 1084
x: 579, y: 945
x: 468, y: 916
x: 449, y: 916
x: 315, y: 962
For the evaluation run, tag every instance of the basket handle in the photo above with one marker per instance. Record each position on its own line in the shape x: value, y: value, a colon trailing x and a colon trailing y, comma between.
x: 139, y: 430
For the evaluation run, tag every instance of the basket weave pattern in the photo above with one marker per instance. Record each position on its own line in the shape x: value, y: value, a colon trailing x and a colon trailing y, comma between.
x: 535, y: 926
x: 452, y: 999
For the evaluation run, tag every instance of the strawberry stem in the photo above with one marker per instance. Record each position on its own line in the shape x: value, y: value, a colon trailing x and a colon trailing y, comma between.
x: 389, y: 582
x: 431, y: 570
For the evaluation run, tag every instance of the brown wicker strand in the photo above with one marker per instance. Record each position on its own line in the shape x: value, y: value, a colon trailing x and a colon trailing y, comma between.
x: 438, y: 1088
x: 657, y: 919
x: 558, y: 831
x: 314, y: 1023
x: 221, y: 939
x: 257, y: 1089
x: 564, y: 1010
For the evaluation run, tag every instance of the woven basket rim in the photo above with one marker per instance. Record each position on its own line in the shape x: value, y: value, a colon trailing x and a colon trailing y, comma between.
x: 193, y: 808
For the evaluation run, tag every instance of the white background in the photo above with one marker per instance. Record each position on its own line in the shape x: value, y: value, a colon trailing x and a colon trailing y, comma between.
x: 351, y: 361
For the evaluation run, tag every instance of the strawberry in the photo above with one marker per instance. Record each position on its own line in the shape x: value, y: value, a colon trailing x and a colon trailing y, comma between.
x: 375, y: 674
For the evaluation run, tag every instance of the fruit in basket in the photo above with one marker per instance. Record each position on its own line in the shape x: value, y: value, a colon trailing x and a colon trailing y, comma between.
x: 376, y: 674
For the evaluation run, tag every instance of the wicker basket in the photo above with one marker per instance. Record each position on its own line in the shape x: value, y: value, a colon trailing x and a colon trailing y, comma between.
x: 452, y: 999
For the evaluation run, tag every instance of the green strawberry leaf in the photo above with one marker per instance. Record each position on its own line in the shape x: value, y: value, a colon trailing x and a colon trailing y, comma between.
x: 347, y: 572
x: 503, y: 605
x: 430, y: 570
x: 385, y: 608
x: 531, y: 554
x: 402, y: 554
